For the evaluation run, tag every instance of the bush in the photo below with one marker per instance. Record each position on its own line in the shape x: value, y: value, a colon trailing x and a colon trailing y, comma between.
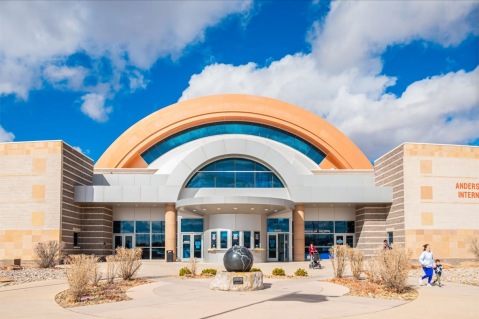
x: 111, y: 268
x: 394, y: 265
x: 78, y: 274
x: 95, y: 270
x: 338, y: 256
x: 278, y: 272
x: 129, y: 261
x: 372, y: 270
x: 255, y: 269
x: 301, y: 272
x: 185, y: 271
x: 356, y: 258
x: 474, y: 247
x: 209, y: 271
x: 193, y: 266
x: 49, y: 253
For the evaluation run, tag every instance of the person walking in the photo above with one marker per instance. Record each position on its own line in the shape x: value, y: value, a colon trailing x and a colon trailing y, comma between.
x: 312, y: 250
x: 386, y: 246
x: 427, y: 262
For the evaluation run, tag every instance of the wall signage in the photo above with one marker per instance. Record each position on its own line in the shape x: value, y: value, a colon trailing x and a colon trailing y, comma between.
x: 237, y: 280
x: 468, y: 186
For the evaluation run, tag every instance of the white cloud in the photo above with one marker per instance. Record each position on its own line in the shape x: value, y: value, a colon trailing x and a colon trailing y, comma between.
x: 38, y: 36
x: 6, y: 136
x: 94, y: 106
x: 78, y: 148
x: 340, y: 79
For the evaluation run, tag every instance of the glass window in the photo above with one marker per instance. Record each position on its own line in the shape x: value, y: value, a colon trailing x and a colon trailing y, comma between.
x: 206, y: 179
x: 224, y: 240
x: 257, y: 240
x: 278, y: 225
x: 247, y: 239
x: 264, y: 180
x: 226, y: 165
x: 225, y: 179
x: 344, y: 227
x: 158, y: 253
x: 123, y: 227
x: 146, y: 253
x: 244, y: 165
x: 193, y: 182
x: 158, y: 227
x: 244, y: 179
x: 143, y: 240
x: 143, y: 227
x: 235, y: 238
x: 158, y: 240
x: 260, y: 167
x: 75, y: 239
x: 319, y: 227
x: 209, y: 168
x: 390, y: 238
x: 192, y: 225
x: 277, y: 182
x: 213, y: 239
x: 217, y: 128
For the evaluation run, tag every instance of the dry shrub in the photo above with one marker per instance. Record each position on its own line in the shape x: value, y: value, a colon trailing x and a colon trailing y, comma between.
x: 339, y: 254
x: 372, y: 270
x: 95, y: 270
x: 356, y: 259
x: 49, y: 253
x: 193, y: 266
x: 78, y: 275
x: 394, y: 265
x: 474, y: 247
x: 129, y: 261
x: 111, y: 268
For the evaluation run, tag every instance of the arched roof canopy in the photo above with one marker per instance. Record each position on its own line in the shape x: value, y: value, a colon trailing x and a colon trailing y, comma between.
x: 125, y: 152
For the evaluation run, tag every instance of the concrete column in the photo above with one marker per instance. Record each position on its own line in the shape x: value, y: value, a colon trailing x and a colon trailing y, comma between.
x: 298, y: 232
x: 170, y: 229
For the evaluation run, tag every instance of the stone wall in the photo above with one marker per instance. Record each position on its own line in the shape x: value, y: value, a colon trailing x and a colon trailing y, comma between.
x: 371, y: 227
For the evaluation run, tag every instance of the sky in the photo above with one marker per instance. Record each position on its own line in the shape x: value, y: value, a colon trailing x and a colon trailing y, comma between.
x: 383, y: 73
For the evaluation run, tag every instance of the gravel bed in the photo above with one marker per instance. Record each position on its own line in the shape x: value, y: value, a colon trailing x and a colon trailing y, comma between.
x: 468, y: 276
x: 31, y: 274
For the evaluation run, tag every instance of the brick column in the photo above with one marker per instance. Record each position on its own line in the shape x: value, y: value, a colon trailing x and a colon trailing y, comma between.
x: 170, y: 229
x: 298, y: 232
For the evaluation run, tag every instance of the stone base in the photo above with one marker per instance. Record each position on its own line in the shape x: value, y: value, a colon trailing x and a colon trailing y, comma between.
x: 224, y: 281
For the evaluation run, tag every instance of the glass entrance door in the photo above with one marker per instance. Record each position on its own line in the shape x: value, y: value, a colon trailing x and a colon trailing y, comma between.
x: 191, y: 246
x: 278, y: 247
x: 125, y: 241
x: 344, y: 239
x: 272, y: 254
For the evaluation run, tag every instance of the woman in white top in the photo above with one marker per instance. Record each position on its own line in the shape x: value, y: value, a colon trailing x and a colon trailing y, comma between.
x: 427, y: 262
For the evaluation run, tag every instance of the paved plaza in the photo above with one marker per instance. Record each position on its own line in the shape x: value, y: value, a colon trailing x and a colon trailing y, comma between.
x: 296, y: 298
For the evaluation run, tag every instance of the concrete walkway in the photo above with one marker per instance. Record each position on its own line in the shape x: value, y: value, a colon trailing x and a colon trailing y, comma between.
x: 300, y: 298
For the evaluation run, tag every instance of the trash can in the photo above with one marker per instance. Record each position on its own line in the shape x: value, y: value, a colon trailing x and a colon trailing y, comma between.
x: 169, y: 256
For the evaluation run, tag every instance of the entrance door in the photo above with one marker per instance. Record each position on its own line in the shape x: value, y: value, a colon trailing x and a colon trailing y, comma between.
x: 344, y: 239
x: 278, y: 247
x: 125, y: 241
x: 191, y: 246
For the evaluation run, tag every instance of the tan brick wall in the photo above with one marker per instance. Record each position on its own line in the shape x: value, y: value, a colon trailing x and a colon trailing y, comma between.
x: 30, y: 192
x: 434, y: 211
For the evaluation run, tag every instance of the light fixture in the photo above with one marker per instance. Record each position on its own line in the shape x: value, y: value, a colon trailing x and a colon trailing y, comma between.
x: 218, y: 208
x: 235, y: 208
x: 275, y: 210
x: 204, y: 208
x: 194, y: 210
x: 265, y: 209
x: 136, y: 205
x: 118, y: 205
x: 331, y: 205
x: 349, y: 204
x: 314, y: 204
x: 252, y: 208
x: 154, y: 205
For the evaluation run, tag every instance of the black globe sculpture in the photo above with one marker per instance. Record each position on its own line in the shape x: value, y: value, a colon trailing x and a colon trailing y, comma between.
x: 239, y: 259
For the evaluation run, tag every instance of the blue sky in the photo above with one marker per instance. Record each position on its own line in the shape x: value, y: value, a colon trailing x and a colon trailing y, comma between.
x: 381, y: 81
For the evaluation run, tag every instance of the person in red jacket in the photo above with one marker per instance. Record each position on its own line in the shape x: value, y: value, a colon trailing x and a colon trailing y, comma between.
x: 312, y: 250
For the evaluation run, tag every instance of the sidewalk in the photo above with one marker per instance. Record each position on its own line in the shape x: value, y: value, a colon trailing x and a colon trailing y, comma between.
x: 297, y: 298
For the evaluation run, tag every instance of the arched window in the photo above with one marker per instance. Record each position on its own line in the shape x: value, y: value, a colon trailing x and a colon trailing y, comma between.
x: 234, y: 173
x: 221, y: 128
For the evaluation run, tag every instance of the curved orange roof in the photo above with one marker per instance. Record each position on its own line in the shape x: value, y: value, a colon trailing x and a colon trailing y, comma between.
x: 125, y: 152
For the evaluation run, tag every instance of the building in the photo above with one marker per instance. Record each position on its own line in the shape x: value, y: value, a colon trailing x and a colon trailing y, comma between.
x: 203, y: 175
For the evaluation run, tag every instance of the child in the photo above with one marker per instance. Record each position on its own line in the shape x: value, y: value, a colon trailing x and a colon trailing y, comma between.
x: 438, y: 270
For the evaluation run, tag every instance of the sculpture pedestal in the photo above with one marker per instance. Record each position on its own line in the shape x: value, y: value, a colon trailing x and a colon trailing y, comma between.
x: 231, y: 281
